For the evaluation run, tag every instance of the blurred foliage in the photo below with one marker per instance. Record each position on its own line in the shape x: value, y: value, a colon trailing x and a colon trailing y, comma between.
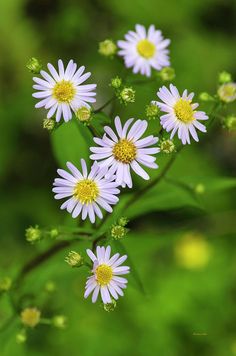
x: 178, y: 311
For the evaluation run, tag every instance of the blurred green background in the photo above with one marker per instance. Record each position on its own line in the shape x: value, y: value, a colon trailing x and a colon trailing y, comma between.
x: 182, y: 246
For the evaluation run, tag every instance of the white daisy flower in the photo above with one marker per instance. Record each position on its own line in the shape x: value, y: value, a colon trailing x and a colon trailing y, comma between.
x: 86, y: 192
x: 181, y: 114
x: 106, y: 275
x: 144, y: 50
x: 125, y: 150
x: 62, y: 91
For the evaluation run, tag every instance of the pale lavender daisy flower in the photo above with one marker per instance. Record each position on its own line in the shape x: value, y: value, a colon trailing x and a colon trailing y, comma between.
x: 125, y: 150
x: 181, y: 114
x: 145, y: 49
x: 86, y: 192
x: 62, y: 92
x: 106, y: 275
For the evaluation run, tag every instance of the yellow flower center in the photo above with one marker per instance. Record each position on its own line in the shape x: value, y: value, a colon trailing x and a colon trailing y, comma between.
x: 124, y: 151
x: 30, y: 317
x: 146, y: 49
x: 183, y: 111
x: 103, y: 274
x: 64, y: 91
x: 86, y: 191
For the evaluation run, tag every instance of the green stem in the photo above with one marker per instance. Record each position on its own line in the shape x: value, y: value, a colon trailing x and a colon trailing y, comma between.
x: 104, y: 105
x: 155, y: 181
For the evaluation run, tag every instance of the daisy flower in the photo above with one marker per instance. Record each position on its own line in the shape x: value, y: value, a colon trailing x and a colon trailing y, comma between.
x: 125, y: 150
x: 85, y: 192
x: 144, y: 49
x: 181, y: 114
x: 62, y: 91
x: 106, y: 271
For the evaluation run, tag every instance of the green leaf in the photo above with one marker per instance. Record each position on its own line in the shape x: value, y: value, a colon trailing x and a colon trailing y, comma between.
x: 71, y: 142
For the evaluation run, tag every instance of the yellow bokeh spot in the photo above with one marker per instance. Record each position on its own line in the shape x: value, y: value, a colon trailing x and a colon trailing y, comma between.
x: 183, y: 111
x: 192, y: 251
x: 103, y: 274
x: 146, y: 49
x: 124, y: 151
x: 64, y: 91
x: 86, y: 191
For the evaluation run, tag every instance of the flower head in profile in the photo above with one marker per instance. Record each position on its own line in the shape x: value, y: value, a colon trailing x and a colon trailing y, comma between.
x: 181, y: 115
x: 106, y: 275
x: 86, y: 192
x: 124, y: 150
x: 144, y: 49
x: 62, y: 91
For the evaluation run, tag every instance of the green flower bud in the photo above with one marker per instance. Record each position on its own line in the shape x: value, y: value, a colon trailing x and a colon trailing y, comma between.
x: 109, y: 307
x: 167, y: 73
x: 199, y: 189
x: 49, y: 124
x: 21, y: 337
x: 54, y: 233
x: 116, y: 82
x: 227, y: 92
x: 118, y: 232
x: 167, y: 146
x: 123, y: 221
x: 74, y: 259
x: 152, y: 111
x: 34, y: 65
x: 107, y: 48
x: 127, y: 95
x: 30, y: 317
x: 230, y: 122
x: 205, y: 97
x: 224, y: 77
x: 59, y: 321
x: 5, y: 284
x: 33, y: 234
x: 83, y: 114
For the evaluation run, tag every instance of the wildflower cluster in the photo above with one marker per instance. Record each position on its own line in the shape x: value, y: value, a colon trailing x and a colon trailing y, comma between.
x: 124, y: 147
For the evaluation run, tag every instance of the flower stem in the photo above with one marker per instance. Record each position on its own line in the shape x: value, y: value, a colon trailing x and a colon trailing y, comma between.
x: 155, y: 181
x: 104, y: 105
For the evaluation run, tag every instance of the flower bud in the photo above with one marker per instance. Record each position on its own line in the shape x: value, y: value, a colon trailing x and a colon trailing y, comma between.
x: 199, y: 189
x: 74, y: 259
x: 224, y: 77
x: 21, y: 337
x: 118, y: 232
x: 30, y: 317
x: 109, y: 307
x: 54, y: 233
x: 167, y: 73
x: 227, y: 92
x: 107, y: 48
x: 230, y: 122
x: 33, y: 234
x: 204, y: 96
x: 59, y: 321
x: 152, y: 111
x: 127, y: 95
x: 5, y: 284
x: 34, y: 65
x: 116, y: 82
x: 167, y: 146
x: 83, y: 114
x: 123, y: 221
x: 49, y: 124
